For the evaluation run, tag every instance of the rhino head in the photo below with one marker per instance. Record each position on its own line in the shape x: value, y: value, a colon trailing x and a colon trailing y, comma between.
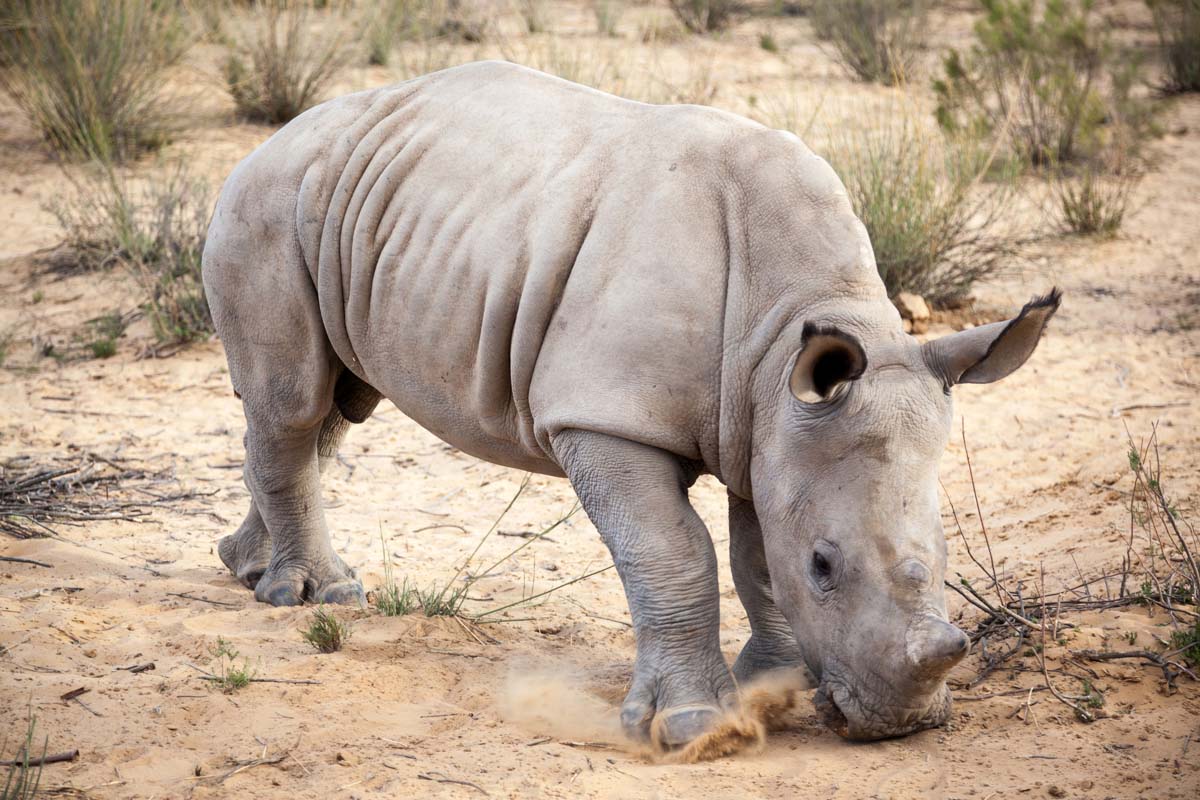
x: 845, y: 476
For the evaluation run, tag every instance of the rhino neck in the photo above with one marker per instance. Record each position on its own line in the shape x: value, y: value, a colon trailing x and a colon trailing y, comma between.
x: 765, y: 312
x: 757, y: 360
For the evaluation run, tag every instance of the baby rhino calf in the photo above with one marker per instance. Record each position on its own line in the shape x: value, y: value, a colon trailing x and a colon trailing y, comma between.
x: 627, y: 295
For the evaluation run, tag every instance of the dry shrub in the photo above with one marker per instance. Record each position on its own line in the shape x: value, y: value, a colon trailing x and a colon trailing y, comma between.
x: 608, y: 15
x: 877, y: 40
x: 287, y: 61
x: 156, y: 230
x: 704, y: 16
x: 462, y: 20
x: 535, y: 14
x: 933, y: 211
x: 389, y: 22
x: 1178, y: 24
x: 90, y: 73
x: 1044, y: 74
x: 1089, y: 201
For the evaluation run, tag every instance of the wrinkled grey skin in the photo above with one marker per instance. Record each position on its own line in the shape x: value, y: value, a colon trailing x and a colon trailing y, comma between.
x: 557, y: 280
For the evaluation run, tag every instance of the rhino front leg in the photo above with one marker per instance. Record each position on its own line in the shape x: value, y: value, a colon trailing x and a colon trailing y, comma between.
x: 772, y: 644
x: 637, y: 498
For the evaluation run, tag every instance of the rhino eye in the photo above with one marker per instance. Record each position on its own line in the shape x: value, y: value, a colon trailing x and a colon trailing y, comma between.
x: 822, y: 571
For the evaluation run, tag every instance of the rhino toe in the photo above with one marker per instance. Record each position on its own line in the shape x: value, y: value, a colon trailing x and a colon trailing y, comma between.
x: 279, y: 593
x: 348, y: 593
x: 677, y: 727
x: 294, y: 584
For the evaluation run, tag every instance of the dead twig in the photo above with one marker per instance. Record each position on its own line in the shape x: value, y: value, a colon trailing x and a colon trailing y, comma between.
x: 1165, y: 664
x: 441, y: 777
x: 36, y: 495
x: 56, y: 758
x: 205, y: 675
x: 187, y: 596
x: 136, y: 668
x: 17, y: 560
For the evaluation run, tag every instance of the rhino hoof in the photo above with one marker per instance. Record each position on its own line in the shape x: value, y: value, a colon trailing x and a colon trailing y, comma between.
x: 280, y: 594
x: 347, y: 593
x: 292, y: 586
x: 676, y: 727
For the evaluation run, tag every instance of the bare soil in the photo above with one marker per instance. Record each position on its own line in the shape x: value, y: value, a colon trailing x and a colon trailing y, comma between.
x: 525, y: 707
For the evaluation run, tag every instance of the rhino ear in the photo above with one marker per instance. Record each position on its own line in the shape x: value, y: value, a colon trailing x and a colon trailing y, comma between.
x: 991, y: 352
x: 828, y: 360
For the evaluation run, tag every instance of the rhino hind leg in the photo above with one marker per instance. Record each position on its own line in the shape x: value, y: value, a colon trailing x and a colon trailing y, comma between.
x: 772, y: 645
x: 636, y: 496
x: 247, y: 553
x: 293, y: 394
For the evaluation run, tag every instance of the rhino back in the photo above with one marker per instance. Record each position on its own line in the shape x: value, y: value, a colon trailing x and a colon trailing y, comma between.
x: 505, y: 255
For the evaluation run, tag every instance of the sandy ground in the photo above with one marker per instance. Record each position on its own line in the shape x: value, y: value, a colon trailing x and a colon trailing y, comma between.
x: 525, y: 708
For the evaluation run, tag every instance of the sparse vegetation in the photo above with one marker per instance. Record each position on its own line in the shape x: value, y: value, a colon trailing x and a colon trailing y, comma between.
x: 704, y: 16
x: 1186, y: 643
x: 1043, y: 75
x: 227, y: 674
x: 392, y: 599
x: 877, y: 40
x: 1090, y: 202
x: 325, y: 632
x: 936, y: 224
x: 535, y: 14
x: 608, y: 15
x: 105, y: 329
x: 388, y: 23
x: 461, y: 20
x: 23, y: 777
x: 90, y: 73
x: 767, y: 42
x: 6, y: 339
x: 156, y: 230
x: 446, y: 601
x: 285, y: 64
x: 1178, y: 25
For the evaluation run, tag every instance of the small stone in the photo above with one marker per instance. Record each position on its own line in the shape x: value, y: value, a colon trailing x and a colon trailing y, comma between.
x: 912, y: 306
x: 907, y: 325
x: 90, y: 653
x: 1056, y: 791
x: 347, y: 758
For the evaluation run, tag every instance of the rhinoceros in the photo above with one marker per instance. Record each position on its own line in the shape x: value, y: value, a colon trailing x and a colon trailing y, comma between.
x: 559, y: 280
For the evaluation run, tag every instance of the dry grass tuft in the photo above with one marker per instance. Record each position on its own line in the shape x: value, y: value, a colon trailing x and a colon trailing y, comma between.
x: 877, y: 40
x: 325, y: 632
x: 934, y: 214
x: 1090, y: 202
x: 89, y: 73
x: 283, y: 66
x: 25, y: 773
x: 1178, y: 25
x: 704, y: 16
x: 156, y: 229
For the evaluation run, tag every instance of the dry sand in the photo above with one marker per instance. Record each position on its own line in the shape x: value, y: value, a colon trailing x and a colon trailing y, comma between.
x: 427, y: 708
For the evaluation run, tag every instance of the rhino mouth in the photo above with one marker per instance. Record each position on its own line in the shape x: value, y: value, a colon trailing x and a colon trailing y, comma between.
x: 844, y: 713
x: 829, y: 713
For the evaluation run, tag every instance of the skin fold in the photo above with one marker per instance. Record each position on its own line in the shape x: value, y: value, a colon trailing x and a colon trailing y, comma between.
x: 630, y: 296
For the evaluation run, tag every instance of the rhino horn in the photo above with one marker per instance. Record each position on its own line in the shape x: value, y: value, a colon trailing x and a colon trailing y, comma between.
x: 933, y: 646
